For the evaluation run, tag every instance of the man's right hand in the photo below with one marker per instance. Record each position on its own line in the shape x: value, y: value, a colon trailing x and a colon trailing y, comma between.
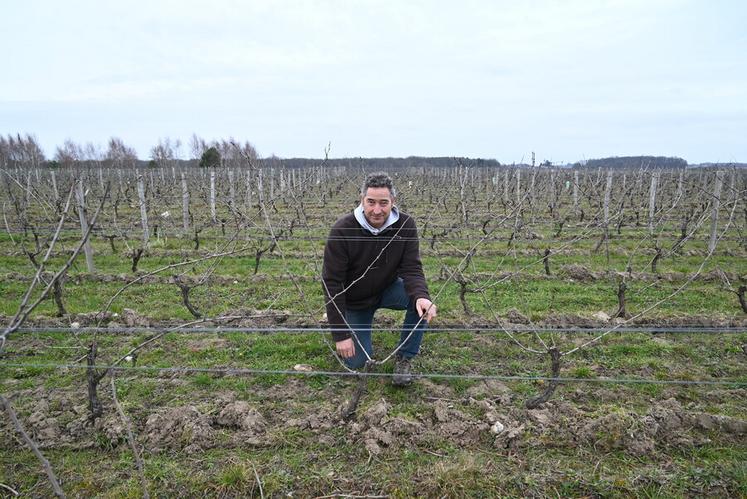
x: 345, y: 348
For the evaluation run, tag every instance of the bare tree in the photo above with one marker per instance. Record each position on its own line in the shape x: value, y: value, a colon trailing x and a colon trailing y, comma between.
x: 22, y: 151
x: 92, y: 152
x: 120, y: 155
x: 68, y: 154
x: 164, y: 154
x: 197, y: 146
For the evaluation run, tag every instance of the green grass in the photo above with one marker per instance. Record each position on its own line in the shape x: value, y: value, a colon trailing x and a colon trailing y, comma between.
x: 409, y: 472
x: 536, y: 299
x: 305, y: 461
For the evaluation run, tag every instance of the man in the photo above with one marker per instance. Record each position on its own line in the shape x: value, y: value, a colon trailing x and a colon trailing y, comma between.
x: 372, y: 261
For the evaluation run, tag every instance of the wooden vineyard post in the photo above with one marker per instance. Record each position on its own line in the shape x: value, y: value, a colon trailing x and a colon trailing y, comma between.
x: 185, y: 203
x: 652, y: 201
x: 714, y: 209
x: 607, y: 195
x: 143, y: 208
x: 212, y: 196
x: 462, y: 184
x: 248, y: 198
x: 80, y: 197
x: 733, y: 182
x: 231, y: 190
x: 638, y: 201
x: 259, y: 185
x: 54, y: 186
x: 553, y: 193
x: 532, y: 194
x: 272, y: 184
x: 678, y: 194
x: 28, y: 190
x: 575, y: 190
x: 505, y: 187
x: 518, y: 187
x: 703, y: 180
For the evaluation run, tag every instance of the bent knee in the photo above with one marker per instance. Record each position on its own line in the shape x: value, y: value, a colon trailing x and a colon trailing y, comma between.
x: 355, y: 362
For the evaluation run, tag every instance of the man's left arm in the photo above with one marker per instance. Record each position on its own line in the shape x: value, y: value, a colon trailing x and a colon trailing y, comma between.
x: 411, y: 272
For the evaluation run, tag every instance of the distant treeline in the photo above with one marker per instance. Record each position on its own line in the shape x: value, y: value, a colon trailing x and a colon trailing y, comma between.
x: 24, y: 151
x: 628, y: 162
x: 367, y: 164
x: 371, y: 164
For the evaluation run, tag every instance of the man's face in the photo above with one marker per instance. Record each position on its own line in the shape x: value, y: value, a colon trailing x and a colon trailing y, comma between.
x: 377, y: 204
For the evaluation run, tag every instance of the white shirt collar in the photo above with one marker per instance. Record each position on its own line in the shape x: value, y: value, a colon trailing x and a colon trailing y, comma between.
x: 361, y: 218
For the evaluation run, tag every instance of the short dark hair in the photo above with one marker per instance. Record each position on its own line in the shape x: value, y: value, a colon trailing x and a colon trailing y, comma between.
x: 378, y: 180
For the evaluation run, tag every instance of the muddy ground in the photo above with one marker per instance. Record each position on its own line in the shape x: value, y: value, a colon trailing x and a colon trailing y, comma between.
x: 488, y: 414
x: 176, y: 420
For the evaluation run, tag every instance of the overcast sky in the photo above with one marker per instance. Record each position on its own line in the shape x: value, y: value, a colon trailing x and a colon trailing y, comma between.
x: 569, y: 80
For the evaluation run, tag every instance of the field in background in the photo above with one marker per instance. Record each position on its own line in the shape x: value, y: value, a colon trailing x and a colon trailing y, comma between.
x: 520, y: 262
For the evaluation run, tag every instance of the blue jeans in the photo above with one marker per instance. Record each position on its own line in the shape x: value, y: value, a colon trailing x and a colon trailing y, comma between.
x: 393, y: 297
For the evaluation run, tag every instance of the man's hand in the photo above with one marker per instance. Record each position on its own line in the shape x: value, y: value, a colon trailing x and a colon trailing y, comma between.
x: 345, y: 348
x: 426, y: 309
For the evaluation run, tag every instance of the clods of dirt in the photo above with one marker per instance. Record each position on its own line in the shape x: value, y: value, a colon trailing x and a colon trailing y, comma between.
x: 490, y: 388
x: 578, y: 273
x: 456, y: 426
x: 724, y: 424
x: 242, y: 416
x: 45, y: 429
x: 374, y: 438
x: 264, y: 318
x: 619, y: 431
x: 93, y: 318
x: 436, y: 389
x: 206, y: 344
x: 601, y: 316
x: 317, y: 421
x: 179, y: 428
x: 375, y: 413
x: 133, y: 319
x: 542, y: 417
x: 515, y: 317
x: 666, y: 423
x: 568, y: 321
x: 489, y: 413
x: 378, y: 430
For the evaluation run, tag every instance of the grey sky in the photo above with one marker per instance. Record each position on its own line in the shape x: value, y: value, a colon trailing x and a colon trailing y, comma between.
x: 569, y: 80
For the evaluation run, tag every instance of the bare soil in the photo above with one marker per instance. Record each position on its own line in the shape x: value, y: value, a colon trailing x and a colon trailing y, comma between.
x: 59, y: 419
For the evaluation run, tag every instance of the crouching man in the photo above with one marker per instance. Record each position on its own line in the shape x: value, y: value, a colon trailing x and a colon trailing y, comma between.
x: 372, y: 261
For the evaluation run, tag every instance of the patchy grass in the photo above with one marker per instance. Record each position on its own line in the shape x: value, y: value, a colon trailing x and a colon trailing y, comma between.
x: 319, y: 455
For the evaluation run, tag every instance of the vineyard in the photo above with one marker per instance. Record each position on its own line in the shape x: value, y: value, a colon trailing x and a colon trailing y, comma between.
x: 164, y: 333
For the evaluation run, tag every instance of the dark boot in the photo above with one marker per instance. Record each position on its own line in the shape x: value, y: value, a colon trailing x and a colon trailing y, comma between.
x: 402, y: 375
